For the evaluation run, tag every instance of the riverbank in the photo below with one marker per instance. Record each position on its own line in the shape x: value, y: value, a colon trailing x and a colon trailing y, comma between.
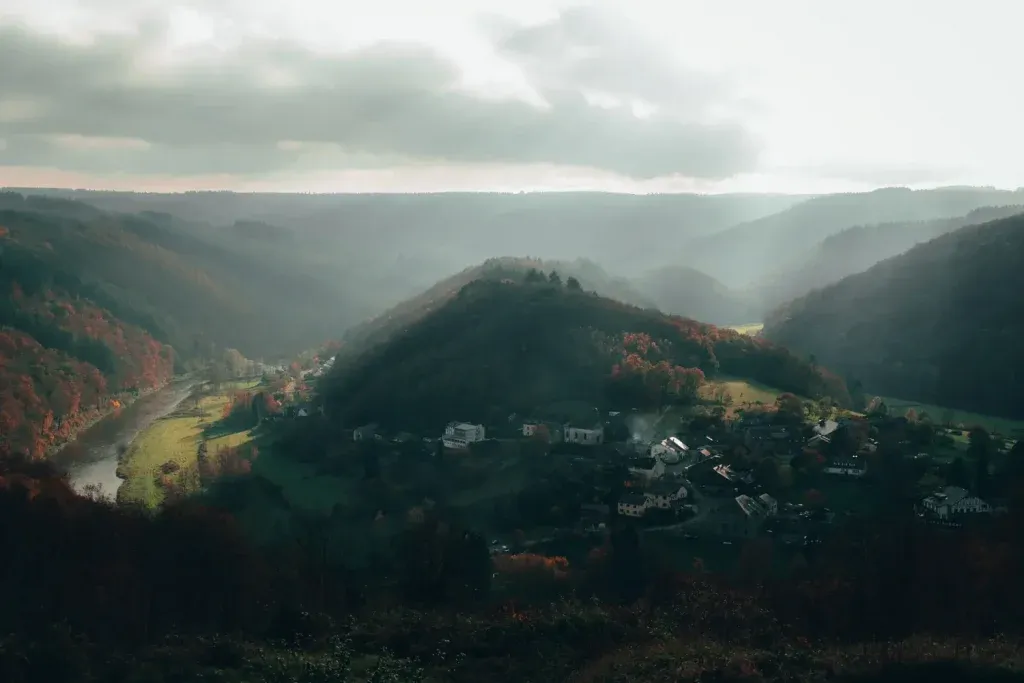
x: 115, y: 402
x: 169, y: 447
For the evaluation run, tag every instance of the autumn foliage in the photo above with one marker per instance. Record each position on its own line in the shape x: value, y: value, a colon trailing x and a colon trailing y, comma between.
x: 522, y: 563
x: 519, y: 347
x: 62, y: 363
x: 646, y: 376
x: 227, y: 461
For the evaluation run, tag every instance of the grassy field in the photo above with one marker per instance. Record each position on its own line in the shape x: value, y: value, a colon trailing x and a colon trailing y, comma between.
x: 1004, y: 426
x: 174, y: 438
x: 752, y: 328
x: 742, y: 391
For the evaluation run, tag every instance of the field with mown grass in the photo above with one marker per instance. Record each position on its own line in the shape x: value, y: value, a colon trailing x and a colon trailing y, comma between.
x: 175, y: 438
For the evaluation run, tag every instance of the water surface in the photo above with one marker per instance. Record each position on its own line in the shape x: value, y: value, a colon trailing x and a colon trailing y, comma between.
x: 91, y: 459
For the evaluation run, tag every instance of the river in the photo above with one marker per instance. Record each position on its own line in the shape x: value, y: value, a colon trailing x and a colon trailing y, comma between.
x: 91, y: 459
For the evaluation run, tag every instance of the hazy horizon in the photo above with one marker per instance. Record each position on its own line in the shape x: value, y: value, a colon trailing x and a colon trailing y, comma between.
x: 539, y: 95
x: 370, y: 192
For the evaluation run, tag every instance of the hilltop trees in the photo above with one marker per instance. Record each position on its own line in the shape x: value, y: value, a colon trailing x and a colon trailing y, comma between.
x: 524, y: 346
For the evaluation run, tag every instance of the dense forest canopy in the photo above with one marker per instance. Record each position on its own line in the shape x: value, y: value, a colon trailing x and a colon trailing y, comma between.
x: 941, y: 323
x: 514, y: 345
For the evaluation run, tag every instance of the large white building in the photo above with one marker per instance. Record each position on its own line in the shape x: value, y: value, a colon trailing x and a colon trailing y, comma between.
x: 461, y: 434
x: 589, y: 436
x: 954, y: 501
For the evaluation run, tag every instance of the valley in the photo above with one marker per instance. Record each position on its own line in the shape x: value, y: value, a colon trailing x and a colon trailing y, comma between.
x: 511, y: 342
x: 491, y: 436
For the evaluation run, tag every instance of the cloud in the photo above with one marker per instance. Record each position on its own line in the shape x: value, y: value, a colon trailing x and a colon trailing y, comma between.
x: 601, y: 51
x: 118, y: 104
x: 880, y: 174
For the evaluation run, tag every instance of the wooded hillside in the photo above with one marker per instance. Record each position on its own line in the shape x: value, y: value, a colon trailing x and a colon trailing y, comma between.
x: 940, y: 324
x: 502, y: 345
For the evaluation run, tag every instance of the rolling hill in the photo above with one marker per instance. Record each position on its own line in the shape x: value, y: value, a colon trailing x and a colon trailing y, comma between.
x: 590, y: 276
x: 940, y: 324
x: 856, y: 249
x: 685, y: 291
x: 747, y: 253
x: 453, y: 230
x: 163, y: 274
x: 501, y: 346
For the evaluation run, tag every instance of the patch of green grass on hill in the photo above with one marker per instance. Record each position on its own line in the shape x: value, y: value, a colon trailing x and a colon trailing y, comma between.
x: 751, y: 328
x: 743, y: 392
x: 1004, y: 426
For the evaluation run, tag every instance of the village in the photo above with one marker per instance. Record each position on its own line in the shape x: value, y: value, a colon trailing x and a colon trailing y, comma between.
x: 715, y: 471
x: 789, y: 472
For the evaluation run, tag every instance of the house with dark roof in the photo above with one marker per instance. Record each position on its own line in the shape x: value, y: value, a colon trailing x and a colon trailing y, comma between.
x: 633, y: 505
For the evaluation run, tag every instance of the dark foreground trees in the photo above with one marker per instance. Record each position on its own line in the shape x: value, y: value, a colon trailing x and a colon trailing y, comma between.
x: 94, y: 592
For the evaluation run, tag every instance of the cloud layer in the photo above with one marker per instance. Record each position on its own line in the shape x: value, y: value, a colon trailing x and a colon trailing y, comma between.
x: 116, y: 105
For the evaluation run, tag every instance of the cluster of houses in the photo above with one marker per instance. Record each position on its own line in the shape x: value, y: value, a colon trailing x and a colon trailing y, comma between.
x: 568, y: 432
x: 661, y: 495
x: 670, y: 479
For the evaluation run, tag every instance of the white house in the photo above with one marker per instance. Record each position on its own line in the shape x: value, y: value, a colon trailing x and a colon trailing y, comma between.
x: 663, y: 495
x: 952, y: 501
x: 460, y: 434
x: 633, y: 505
x: 365, y: 432
x: 589, y: 436
x: 850, y: 467
x: 530, y: 428
x: 651, y: 468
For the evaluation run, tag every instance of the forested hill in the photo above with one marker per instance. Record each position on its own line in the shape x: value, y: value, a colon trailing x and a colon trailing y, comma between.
x: 163, y: 274
x: 94, y: 304
x: 590, y: 276
x: 858, y: 248
x: 457, y: 229
x: 502, y: 346
x: 940, y: 324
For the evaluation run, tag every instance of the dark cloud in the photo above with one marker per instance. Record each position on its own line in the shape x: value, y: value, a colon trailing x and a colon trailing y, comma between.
x: 367, y: 108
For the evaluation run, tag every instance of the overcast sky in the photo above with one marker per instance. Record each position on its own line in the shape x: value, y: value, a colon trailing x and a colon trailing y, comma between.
x: 386, y: 95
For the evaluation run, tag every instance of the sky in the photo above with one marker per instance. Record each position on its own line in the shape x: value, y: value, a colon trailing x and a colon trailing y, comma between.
x: 799, y: 96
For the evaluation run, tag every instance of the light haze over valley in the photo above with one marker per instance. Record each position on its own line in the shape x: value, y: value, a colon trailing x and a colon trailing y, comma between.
x: 478, y: 340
